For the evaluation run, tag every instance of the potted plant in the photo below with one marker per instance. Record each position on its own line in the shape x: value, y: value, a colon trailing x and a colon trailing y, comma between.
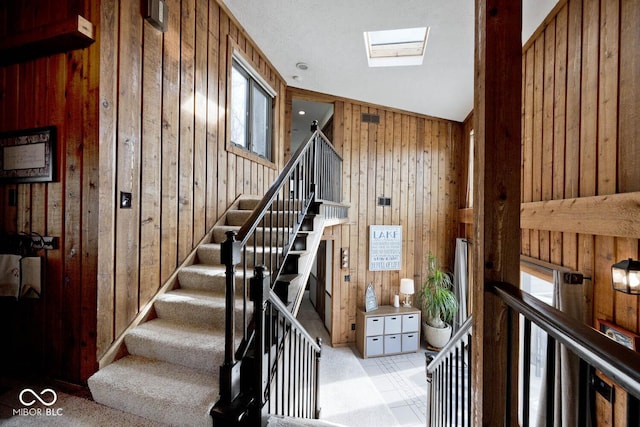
x: 438, y: 304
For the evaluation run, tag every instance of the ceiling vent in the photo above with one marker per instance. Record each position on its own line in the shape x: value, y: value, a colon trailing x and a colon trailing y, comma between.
x: 370, y: 118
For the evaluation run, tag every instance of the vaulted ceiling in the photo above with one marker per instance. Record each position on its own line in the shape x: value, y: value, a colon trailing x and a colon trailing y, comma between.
x: 327, y: 35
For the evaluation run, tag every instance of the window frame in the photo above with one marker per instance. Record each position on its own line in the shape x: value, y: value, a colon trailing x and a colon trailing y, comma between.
x: 237, y: 61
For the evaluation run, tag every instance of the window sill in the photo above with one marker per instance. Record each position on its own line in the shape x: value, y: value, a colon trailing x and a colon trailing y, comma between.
x: 250, y: 156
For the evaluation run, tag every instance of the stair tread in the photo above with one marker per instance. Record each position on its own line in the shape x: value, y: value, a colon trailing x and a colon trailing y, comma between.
x: 157, y: 390
x: 218, y: 246
x: 179, y: 343
x: 208, y: 269
x: 193, y: 296
x: 181, y: 334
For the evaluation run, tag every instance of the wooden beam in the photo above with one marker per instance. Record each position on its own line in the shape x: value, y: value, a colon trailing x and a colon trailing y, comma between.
x: 70, y: 34
x: 496, y: 216
x: 611, y: 215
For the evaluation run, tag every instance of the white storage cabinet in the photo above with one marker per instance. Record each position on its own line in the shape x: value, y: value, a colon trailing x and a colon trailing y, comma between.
x: 388, y: 330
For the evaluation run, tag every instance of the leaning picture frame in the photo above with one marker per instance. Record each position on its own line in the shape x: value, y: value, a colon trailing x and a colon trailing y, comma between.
x: 28, y: 155
x: 370, y: 299
x: 620, y: 335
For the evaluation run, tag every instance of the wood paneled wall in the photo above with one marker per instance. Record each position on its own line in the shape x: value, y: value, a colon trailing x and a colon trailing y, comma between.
x: 413, y: 159
x: 581, y: 103
x: 139, y: 111
x: 579, y: 130
x: 163, y: 99
x: 54, y: 335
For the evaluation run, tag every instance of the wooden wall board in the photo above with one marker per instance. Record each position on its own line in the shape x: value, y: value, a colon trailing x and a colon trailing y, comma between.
x: 151, y: 166
x: 629, y: 114
x: 187, y: 123
x: 607, y: 121
x: 589, y: 96
x: 107, y: 136
x: 170, y: 143
x: 212, y: 115
x: 200, y: 117
x: 574, y: 73
x: 128, y: 166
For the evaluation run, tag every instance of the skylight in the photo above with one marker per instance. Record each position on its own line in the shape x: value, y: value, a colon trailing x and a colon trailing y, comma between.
x: 395, y: 48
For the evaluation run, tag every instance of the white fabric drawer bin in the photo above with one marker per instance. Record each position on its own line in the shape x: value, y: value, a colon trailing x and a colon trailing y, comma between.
x: 392, y: 344
x: 410, y: 342
x: 375, y: 346
x: 392, y: 324
x: 375, y: 326
x: 411, y: 323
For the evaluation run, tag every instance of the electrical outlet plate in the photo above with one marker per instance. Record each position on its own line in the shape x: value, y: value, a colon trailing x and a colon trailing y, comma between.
x: 44, y: 242
x: 125, y: 200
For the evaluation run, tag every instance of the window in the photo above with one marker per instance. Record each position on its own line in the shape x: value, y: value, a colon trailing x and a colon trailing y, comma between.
x: 470, y: 172
x: 543, y: 290
x: 251, y: 110
x: 393, y: 48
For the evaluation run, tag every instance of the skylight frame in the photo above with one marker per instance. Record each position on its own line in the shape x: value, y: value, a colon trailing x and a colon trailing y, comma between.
x: 394, y: 48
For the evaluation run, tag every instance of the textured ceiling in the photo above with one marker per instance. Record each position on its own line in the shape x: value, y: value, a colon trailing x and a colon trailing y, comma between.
x: 327, y: 35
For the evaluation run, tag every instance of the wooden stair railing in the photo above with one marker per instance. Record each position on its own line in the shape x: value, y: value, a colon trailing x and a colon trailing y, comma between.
x: 449, y: 372
x: 311, y: 178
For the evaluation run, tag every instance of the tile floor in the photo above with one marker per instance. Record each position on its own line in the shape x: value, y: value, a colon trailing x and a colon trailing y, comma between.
x: 402, y: 383
x: 399, y: 381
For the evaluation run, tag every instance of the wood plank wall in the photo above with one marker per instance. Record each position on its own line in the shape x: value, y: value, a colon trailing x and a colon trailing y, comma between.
x: 139, y: 111
x: 579, y: 126
x: 164, y: 117
x: 54, y: 335
x: 581, y: 99
x: 413, y: 159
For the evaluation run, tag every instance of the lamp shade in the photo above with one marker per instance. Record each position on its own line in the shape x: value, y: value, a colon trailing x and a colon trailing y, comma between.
x: 625, y: 276
x: 406, y: 286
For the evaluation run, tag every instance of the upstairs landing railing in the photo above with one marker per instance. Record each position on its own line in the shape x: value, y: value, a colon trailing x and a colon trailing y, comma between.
x: 310, y: 178
x: 450, y: 402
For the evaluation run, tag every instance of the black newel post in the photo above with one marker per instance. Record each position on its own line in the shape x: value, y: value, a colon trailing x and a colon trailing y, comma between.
x: 230, y: 370
x: 260, y: 288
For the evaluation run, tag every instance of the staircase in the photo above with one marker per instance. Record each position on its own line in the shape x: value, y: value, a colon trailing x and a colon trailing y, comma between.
x: 226, y: 344
x: 171, y: 371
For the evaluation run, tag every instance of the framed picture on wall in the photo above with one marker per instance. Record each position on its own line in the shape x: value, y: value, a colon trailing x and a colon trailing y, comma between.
x: 28, y: 155
x: 619, y: 334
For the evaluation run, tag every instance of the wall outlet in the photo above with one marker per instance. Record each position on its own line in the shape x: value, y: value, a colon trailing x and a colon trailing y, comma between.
x: 125, y: 200
x: 44, y: 242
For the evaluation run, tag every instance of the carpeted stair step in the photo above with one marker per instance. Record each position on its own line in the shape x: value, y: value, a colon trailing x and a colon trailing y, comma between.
x: 237, y: 216
x: 203, y: 277
x: 157, y: 390
x: 261, y: 236
x: 209, y: 254
x: 250, y: 203
x: 192, y: 306
x: 278, y: 217
x: 196, y: 307
x: 178, y: 343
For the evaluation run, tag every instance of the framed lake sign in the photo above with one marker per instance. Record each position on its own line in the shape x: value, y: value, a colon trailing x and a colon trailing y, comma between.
x: 370, y: 300
x: 385, y: 247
